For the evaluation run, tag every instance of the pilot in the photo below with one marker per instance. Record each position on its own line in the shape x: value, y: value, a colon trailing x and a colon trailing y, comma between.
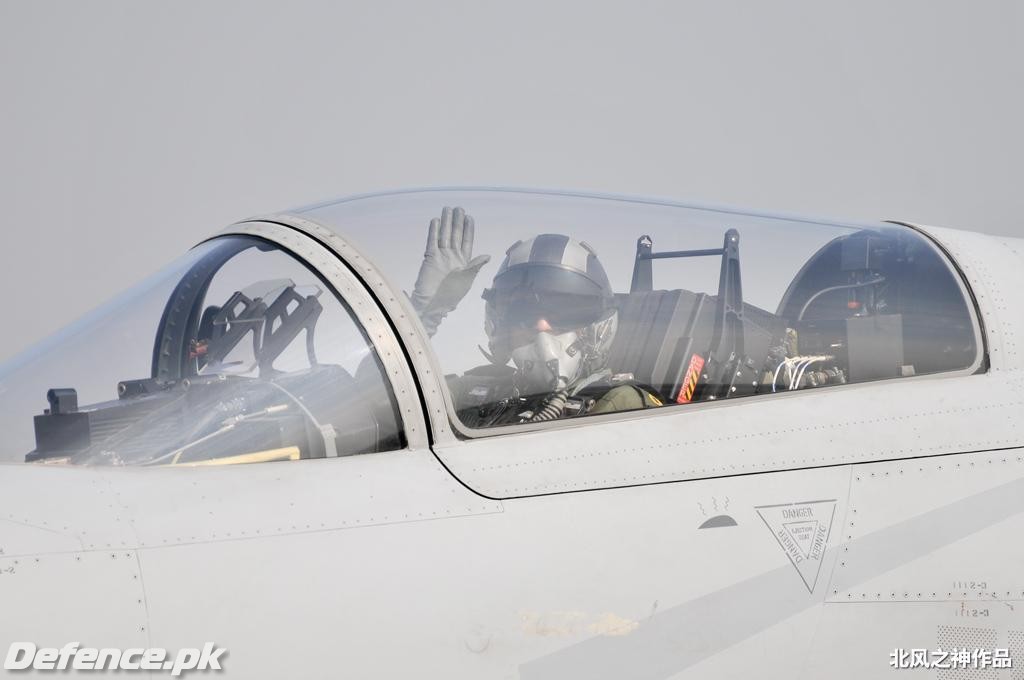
x: 550, y: 311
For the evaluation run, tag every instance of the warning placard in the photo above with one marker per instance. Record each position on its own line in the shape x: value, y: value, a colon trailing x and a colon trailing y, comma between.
x: 802, y: 529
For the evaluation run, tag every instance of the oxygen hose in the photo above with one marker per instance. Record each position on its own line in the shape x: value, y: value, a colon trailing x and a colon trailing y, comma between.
x: 552, y: 408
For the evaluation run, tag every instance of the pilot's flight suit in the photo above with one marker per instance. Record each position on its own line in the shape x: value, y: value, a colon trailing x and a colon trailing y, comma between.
x: 485, y: 397
x: 624, y: 398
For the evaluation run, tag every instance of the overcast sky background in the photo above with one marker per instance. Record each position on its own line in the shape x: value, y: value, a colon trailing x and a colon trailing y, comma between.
x: 130, y: 130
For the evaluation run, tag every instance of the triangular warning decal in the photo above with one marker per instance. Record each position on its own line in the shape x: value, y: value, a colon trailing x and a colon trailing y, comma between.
x: 803, y: 534
x: 802, y: 529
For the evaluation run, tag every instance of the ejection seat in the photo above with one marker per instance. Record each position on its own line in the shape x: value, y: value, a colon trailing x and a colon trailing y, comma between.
x: 692, y: 346
x: 659, y: 331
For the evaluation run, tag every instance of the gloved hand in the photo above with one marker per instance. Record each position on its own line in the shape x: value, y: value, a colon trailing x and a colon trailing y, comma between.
x: 448, y: 268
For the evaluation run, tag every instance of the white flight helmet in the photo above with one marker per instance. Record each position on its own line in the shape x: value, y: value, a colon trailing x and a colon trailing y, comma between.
x: 552, y: 312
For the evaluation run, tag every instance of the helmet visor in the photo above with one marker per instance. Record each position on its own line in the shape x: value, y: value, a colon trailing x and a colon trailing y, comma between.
x: 526, y: 310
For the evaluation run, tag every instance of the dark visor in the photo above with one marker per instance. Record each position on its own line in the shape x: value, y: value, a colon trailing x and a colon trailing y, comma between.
x: 523, y: 309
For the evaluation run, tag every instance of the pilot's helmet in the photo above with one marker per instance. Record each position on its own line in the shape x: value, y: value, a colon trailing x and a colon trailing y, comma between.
x: 551, y: 311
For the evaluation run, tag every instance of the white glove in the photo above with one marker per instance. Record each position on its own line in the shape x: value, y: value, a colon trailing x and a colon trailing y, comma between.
x: 448, y: 268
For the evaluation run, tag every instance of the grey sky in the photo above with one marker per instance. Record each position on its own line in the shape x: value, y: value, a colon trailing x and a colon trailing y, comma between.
x: 131, y: 130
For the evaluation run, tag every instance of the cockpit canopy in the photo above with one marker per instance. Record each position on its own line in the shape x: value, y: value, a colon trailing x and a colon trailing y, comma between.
x: 241, y: 351
x: 712, y: 303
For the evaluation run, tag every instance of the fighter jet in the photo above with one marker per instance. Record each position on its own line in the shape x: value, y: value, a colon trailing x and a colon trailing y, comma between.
x: 502, y: 433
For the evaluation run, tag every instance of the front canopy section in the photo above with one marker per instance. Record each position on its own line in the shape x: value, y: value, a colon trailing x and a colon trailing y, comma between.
x: 237, y: 353
x: 547, y: 306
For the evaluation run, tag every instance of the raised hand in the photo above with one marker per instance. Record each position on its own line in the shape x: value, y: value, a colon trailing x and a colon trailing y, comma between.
x: 448, y: 268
